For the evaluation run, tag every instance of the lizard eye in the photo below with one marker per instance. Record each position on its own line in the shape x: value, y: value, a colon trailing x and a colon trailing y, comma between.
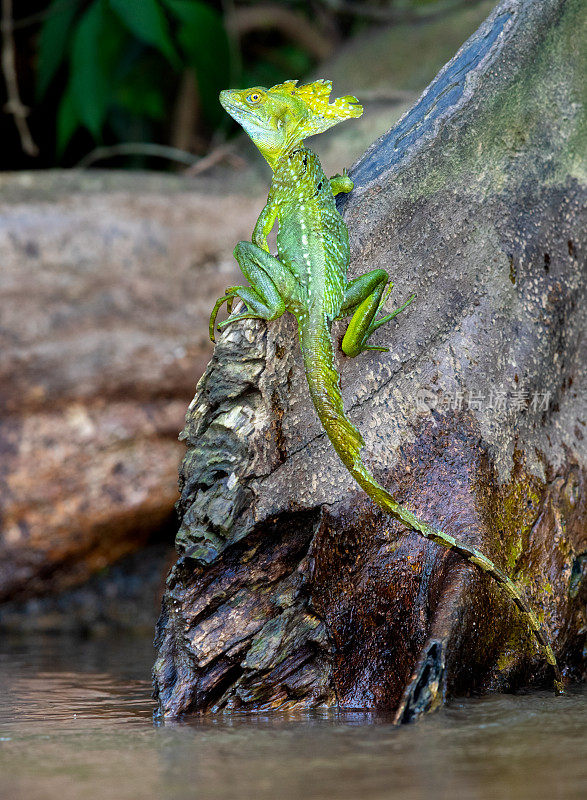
x: 254, y: 97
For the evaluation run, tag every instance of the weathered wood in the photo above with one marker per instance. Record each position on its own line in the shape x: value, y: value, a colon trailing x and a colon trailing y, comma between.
x: 292, y: 590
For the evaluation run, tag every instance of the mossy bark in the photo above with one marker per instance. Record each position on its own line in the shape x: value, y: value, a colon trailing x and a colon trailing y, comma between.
x: 292, y: 590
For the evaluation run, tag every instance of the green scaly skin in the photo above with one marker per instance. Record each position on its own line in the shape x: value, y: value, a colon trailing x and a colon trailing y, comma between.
x: 309, y: 279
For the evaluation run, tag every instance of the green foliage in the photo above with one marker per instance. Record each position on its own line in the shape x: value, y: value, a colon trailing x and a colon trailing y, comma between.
x: 53, y: 42
x: 122, y: 56
x: 146, y: 20
x: 94, y: 44
x: 114, y: 67
x: 204, y: 44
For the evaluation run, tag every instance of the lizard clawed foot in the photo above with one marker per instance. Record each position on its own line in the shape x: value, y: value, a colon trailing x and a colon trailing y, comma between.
x: 228, y: 298
x: 354, y: 348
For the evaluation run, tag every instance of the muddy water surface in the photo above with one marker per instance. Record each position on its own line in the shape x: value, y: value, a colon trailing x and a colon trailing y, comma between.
x: 76, y: 722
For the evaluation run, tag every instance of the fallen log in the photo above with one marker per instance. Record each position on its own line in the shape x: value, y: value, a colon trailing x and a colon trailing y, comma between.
x: 99, y: 349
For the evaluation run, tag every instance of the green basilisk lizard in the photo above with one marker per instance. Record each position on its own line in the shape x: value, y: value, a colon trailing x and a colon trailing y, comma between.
x: 309, y: 279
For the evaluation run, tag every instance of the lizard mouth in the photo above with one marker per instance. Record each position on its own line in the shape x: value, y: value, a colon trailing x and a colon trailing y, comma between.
x: 225, y: 98
x: 232, y: 106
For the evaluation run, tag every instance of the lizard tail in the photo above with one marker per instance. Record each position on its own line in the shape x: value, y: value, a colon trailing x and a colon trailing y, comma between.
x: 324, y: 385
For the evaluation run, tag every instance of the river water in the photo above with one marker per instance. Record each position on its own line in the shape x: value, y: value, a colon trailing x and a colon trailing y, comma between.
x: 76, y: 722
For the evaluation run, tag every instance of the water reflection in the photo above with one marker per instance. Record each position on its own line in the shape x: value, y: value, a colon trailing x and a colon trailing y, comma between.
x: 75, y: 720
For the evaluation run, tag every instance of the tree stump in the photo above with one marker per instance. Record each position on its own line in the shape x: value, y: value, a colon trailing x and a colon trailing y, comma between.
x: 292, y: 590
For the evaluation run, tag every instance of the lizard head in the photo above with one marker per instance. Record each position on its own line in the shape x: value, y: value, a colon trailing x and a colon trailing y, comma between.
x: 278, y: 119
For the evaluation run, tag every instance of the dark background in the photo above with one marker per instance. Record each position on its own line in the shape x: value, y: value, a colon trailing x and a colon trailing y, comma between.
x: 146, y: 74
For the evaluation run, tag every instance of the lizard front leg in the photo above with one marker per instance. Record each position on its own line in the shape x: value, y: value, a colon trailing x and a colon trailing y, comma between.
x: 272, y: 286
x: 364, y: 297
x: 264, y: 224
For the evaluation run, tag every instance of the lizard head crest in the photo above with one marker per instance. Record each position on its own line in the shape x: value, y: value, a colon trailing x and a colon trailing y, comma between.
x: 278, y: 119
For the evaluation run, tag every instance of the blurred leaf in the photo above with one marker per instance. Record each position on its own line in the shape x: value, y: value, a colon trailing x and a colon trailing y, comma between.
x: 97, y: 45
x: 202, y: 37
x: 67, y: 120
x: 53, y: 42
x: 89, y: 83
x: 146, y: 20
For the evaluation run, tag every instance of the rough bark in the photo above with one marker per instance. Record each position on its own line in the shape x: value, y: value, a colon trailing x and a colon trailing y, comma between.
x: 292, y: 590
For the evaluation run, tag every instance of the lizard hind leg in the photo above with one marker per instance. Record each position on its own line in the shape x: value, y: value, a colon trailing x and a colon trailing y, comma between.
x: 271, y: 285
x: 365, y: 297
